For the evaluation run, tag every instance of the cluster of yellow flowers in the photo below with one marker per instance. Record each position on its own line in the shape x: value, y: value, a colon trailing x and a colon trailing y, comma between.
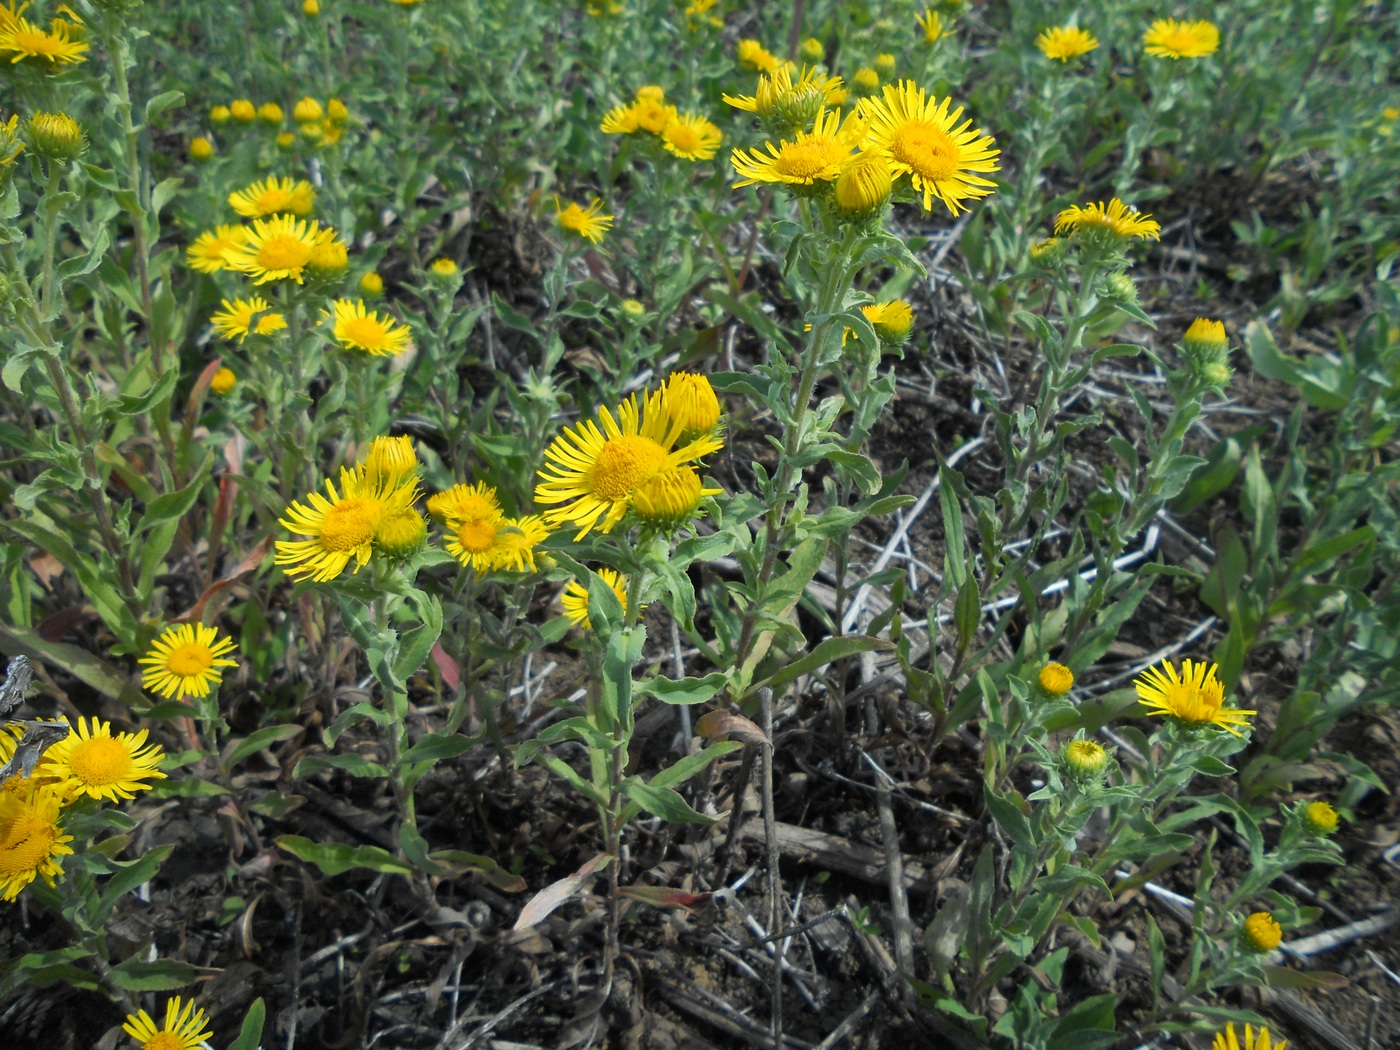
x: 479, y: 534
x: 90, y: 762
x: 23, y: 41
x: 320, y: 125
x: 1165, y: 38
x: 686, y: 135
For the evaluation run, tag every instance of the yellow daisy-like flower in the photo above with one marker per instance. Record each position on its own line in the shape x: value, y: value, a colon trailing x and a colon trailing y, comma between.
x: 278, y: 248
x: 1227, y: 1040
x: 865, y: 185
x: 575, y: 596
x: 30, y: 839
x: 1114, y: 220
x: 340, y: 526
x: 1262, y: 932
x: 814, y: 157
x: 25, y: 40
x: 689, y: 400
x: 242, y: 111
x: 273, y: 197
x: 1084, y: 759
x: 223, y: 381
x: 90, y: 762
x: 237, y: 318
x: 1056, y: 679
x: 1065, y: 42
x: 391, y: 459
x: 621, y: 120
x: 1196, y: 697
x: 931, y: 22
x: 184, y: 1029
x: 924, y: 140
x: 516, y: 543
x: 1320, y: 818
x: 494, y: 543
x: 357, y: 328
x: 185, y: 660
x: 778, y: 94
x: 596, y: 470
x: 653, y: 115
x: 1169, y: 38
x: 754, y: 55
x: 590, y: 223
x: 891, y: 320
x: 670, y: 499
x: 691, y: 137
x: 210, y: 251
x: 464, y: 502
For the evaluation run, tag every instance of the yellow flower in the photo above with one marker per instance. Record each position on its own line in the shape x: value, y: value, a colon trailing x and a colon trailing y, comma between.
x: 357, y: 328
x: 285, y: 141
x: 371, y: 284
x: 595, y: 471
x: 620, y: 120
x: 931, y: 22
x: 278, y: 248
x: 923, y: 140
x: 1205, y: 336
x: 754, y: 55
x: 793, y: 104
x: 311, y: 8
x: 891, y: 320
x: 496, y: 543
x: 272, y: 197
x: 270, y: 113
x: 884, y: 65
x: 814, y: 157
x: 329, y: 260
x: 391, y: 459
x: 336, y: 113
x: 1227, y: 1040
x: 575, y: 596
x: 1065, y: 42
x: 1196, y: 697
x: 865, y: 185
x: 219, y: 115
x: 92, y: 763
x: 589, y: 224
x: 237, y: 319
x: 242, y: 111
x: 1168, y: 38
x: 671, y: 498
x: 689, y: 400
x: 1113, y: 222
x: 25, y: 39
x: 1056, y: 679
x: 691, y: 137
x: 56, y: 136
x: 653, y: 115
x: 1320, y: 818
x: 307, y: 110
x: 1084, y: 759
x: 340, y: 528
x: 201, y: 149
x: 401, y: 535
x: 1048, y: 253
x: 866, y: 81
x: 813, y: 50
x: 650, y: 93
x: 185, y: 661
x: 184, y: 1029
x: 30, y: 839
x: 443, y: 268
x: 1262, y: 932
x: 210, y: 251
x: 464, y: 503
x: 223, y: 382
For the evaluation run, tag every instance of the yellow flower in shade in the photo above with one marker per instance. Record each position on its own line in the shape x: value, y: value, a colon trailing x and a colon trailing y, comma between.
x: 185, y: 661
x: 1227, y: 1040
x: 1196, y: 697
x: 791, y: 103
x: 691, y: 137
x: 575, y: 596
x: 358, y: 328
x: 1065, y: 42
x: 931, y: 22
x: 884, y: 65
x: 329, y: 260
x: 278, y: 248
x: 270, y: 113
x: 464, y: 503
x: 1262, y: 932
x: 307, y: 110
x: 339, y: 526
x: 493, y: 543
x: 371, y: 284
x: 30, y: 839
x: 1056, y: 679
x: 754, y: 55
x: 621, y: 120
x: 595, y: 470
x: 21, y: 39
x: 650, y: 93
x: 1320, y: 818
x: 223, y: 381
x: 401, y: 535
x: 589, y: 223
x: 285, y: 141
x: 1084, y: 759
x: 813, y: 50
x: 690, y: 401
x: 891, y: 321
x: 201, y: 149
x: 443, y: 268
x: 671, y: 498
x: 924, y: 140
x: 1114, y: 222
x: 1168, y: 38
x: 242, y: 111
x: 185, y: 1027
x: 814, y: 157
x: 90, y: 762
x: 210, y: 250
x: 272, y: 197
x: 336, y: 113
x: 865, y: 81
x: 241, y: 318
x: 391, y: 459
x: 219, y: 115
x: 865, y: 185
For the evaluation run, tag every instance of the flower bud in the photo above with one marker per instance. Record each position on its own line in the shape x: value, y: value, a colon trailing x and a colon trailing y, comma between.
x: 1208, y: 352
x: 634, y: 309
x: 864, y: 187
x: 307, y: 110
x: 371, y: 285
x: 201, y: 149
x: 884, y: 65
x: 310, y: 8
x: 56, y: 136
x: 1119, y: 287
x: 1084, y: 759
x: 892, y: 321
x: 1319, y: 818
x: 813, y: 50
x: 329, y: 260
x: 270, y: 113
x: 1056, y: 679
x: 401, y: 535
x: 286, y: 140
x: 242, y: 111
x: 443, y: 268
x: 219, y: 115
x: 391, y: 458
x: 866, y: 81
x: 1049, y: 253
x: 689, y: 400
x: 223, y: 381
x: 1261, y: 932
x: 336, y: 113
x: 671, y: 498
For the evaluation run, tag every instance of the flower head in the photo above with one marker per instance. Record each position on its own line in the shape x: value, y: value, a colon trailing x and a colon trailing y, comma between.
x: 278, y: 248
x: 671, y: 498
x: 1226, y: 1039
x: 891, y: 320
x: 813, y: 50
x: 241, y: 318
x: 575, y: 596
x: 1056, y: 679
x: 594, y: 471
x: 223, y: 381
x: 21, y: 39
x: 865, y: 81
x: 270, y: 113
x: 691, y: 137
x: 923, y: 140
x: 340, y: 526
x: 201, y: 149
x: 1261, y: 932
x: 219, y: 115
x: 307, y: 110
x: 1065, y: 42
x: 495, y: 543
x: 787, y: 104
x: 811, y: 159
x: 464, y: 502
x: 931, y: 22
x: 30, y: 839
x: 754, y: 55
x: 273, y: 197
x: 357, y: 328
x: 402, y: 534
x: 185, y: 661
x: 1320, y: 818
x: 242, y: 111
x: 864, y: 185
x: 1205, y: 336
x: 1084, y: 759
x: 689, y: 400
x: 371, y: 284
x: 185, y: 1027
x: 1196, y: 697
x: 589, y: 224
x: 1113, y: 223
x: 56, y: 136
x: 210, y: 251
x: 91, y: 762
x: 1169, y: 38
x: 392, y: 460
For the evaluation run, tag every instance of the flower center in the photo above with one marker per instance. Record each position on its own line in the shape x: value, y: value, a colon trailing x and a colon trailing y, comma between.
x: 623, y: 463
x: 35, y: 43
x: 273, y: 200
x: 283, y: 253
x: 1197, y: 705
x: 1179, y: 40
x: 364, y: 331
x: 102, y: 760
x: 165, y: 1041
x: 350, y: 524
x: 25, y: 843
x: 189, y: 661
x: 477, y: 535
x: 573, y: 218
x: 807, y: 159
x: 926, y: 149
x: 684, y: 137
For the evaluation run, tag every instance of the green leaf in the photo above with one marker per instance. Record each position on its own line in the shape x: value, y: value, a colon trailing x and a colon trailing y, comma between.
x: 434, y: 747
x: 683, y: 692
x: 417, y: 643
x: 161, y: 975
x: 662, y: 802
x: 172, y: 506
x: 512, y: 318
x: 828, y: 651
x: 458, y: 863
x: 860, y: 469
x: 250, y: 1035
x: 162, y: 102
x: 334, y: 858
x: 128, y: 877
x: 355, y: 765
x: 1012, y: 820
x: 42, y: 969
x: 259, y: 739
